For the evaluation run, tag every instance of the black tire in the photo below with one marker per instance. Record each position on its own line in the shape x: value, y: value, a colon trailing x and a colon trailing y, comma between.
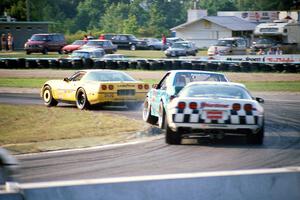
x: 82, y: 102
x: 162, y: 116
x: 45, y: 51
x: 28, y: 52
x: 49, y: 101
x: 147, y: 117
x: 132, y: 47
x: 256, y: 139
x: 152, y: 48
x: 60, y: 51
x: 172, y: 137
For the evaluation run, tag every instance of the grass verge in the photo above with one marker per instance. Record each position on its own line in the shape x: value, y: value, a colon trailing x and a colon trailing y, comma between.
x: 289, y: 86
x: 28, y: 129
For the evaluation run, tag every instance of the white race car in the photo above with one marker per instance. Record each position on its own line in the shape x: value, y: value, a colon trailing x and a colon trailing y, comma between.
x: 214, y: 109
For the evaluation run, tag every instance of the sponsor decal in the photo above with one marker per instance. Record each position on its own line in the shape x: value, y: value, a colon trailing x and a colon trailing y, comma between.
x: 213, y: 105
x: 132, y: 86
x: 214, y: 114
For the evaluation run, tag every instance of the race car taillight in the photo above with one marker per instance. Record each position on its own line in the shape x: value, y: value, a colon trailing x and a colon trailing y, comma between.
x: 181, y: 105
x: 103, y: 87
x: 193, y: 105
x: 146, y: 86
x: 110, y: 87
x: 140, y: 86
x: 248, y: 107
x: 236, y: 106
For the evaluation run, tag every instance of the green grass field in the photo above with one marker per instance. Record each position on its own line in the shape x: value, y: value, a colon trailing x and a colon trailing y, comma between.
x: 26, y: 129
x: 290, y: 86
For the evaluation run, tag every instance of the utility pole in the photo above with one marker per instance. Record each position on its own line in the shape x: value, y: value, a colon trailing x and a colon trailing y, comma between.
x: 27, y: 10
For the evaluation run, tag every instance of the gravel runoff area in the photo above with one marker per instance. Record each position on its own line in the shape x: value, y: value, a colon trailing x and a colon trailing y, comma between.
x: 233, y: 76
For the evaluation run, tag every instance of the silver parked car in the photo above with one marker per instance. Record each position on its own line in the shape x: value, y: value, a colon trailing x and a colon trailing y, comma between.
x: 229, y: 46
x: 183, y: 48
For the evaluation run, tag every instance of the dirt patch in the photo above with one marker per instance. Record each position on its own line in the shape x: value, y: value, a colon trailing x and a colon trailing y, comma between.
x: 237, y: 77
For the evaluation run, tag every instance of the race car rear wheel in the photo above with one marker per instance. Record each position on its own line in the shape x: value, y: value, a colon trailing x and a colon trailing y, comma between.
x: 257, y: 138
x: 162, y: 116
x: 48, y: 98
x: 172, y: 137
x: 81, y: 99
x: 147, y: 117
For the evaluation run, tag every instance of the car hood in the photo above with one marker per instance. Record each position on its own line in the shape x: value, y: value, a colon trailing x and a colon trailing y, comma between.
x: 72, y: 46
x: 176, y: 49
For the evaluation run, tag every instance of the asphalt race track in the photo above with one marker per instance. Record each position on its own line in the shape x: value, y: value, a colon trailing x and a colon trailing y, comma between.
x: 153, y: 157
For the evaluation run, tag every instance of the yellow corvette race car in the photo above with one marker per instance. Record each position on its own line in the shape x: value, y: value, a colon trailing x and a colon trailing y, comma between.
x: 91, y: 87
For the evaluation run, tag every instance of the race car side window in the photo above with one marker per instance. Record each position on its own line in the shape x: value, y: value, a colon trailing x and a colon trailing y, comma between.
x: 163, y: 83
x: 77, y: 76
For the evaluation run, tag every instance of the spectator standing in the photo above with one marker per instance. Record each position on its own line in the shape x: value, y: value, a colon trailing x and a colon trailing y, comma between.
x: 101, y: 37
x: 3, y: 42
x: 85, y: 38
x: 278, y: 51
x: 164, y: 41
x: 10, y: 41
x: 260, y: 52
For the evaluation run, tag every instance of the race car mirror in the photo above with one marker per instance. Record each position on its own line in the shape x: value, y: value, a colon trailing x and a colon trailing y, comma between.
x: 66, y: 79
x: 260, y: 100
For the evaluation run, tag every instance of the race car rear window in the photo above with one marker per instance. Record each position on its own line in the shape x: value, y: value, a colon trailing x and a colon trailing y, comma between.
x: 215, y: 91
x: 108, y: 77
x: 188, y: 77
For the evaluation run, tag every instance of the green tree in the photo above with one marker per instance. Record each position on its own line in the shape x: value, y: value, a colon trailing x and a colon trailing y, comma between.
x: 130, y: 25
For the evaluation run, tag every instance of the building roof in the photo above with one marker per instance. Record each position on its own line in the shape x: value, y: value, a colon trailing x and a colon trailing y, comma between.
x: 231, y: 22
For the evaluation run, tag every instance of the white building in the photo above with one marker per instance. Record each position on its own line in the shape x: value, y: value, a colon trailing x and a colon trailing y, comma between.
x: 204, y: 31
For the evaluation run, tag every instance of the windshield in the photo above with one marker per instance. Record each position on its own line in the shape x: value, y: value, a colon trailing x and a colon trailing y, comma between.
x: 80, y: 54
x: 132, y: 37
x: 180, y: 45
x: 215, y: 91
x: 224, y: 43
x: 39, y: 38
x: 107, y: 76
x: 264, y: 41
x: 183, y: 78
x: 79, y: 42
x: 95, y: 43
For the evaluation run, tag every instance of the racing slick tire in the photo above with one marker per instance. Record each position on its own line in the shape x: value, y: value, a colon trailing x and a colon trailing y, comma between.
x: 82, y: 102
x: 162, y: 116
x: 147, y: 117
x: 256, y: 139
x: 172, y: 137
x: 49, y: 101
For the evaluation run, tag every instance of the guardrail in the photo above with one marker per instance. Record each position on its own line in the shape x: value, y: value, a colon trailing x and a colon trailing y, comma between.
x: 275, y: 184
x: 220, y: 63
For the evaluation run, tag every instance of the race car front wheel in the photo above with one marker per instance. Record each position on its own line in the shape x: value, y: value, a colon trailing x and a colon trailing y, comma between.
x: 147, y: 117
x: 162, y: 116
x: 48, y: 98
x: 81, y: 99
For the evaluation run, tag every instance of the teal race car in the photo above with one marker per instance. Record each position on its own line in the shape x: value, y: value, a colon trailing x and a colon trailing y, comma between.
x: 157, y: 99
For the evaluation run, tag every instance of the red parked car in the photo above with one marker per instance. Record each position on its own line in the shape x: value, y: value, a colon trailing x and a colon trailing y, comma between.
x: 74, y: 46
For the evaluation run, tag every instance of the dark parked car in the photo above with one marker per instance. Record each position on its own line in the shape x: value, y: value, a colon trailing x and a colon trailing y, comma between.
x: 44, y: 43
x: 155, y: 44
x: 104, y: 44
x: 127, y: 41
x: 183, y: 48
x: 264, y: 44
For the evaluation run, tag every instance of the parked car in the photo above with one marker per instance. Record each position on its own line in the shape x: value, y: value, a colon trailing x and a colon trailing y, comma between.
x: 106, y: 36
x: 229, y: 46
x: 162, y: 93
x: 44, y: 43
x: 264, y: 44
x: 182, y: 48
x: 172, y: 40
x: 88, y: 53
x: 74, y: 46
x: 127, y: 41
x: 155, y: 44
x: 91, y: 87
x: 104, y: 44
x: 214, y: 109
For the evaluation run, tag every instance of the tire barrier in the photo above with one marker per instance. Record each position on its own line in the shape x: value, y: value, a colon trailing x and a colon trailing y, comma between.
x: 149, y: 64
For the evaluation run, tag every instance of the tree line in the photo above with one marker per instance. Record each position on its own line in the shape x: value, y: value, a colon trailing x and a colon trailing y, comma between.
x: 140, y: 17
